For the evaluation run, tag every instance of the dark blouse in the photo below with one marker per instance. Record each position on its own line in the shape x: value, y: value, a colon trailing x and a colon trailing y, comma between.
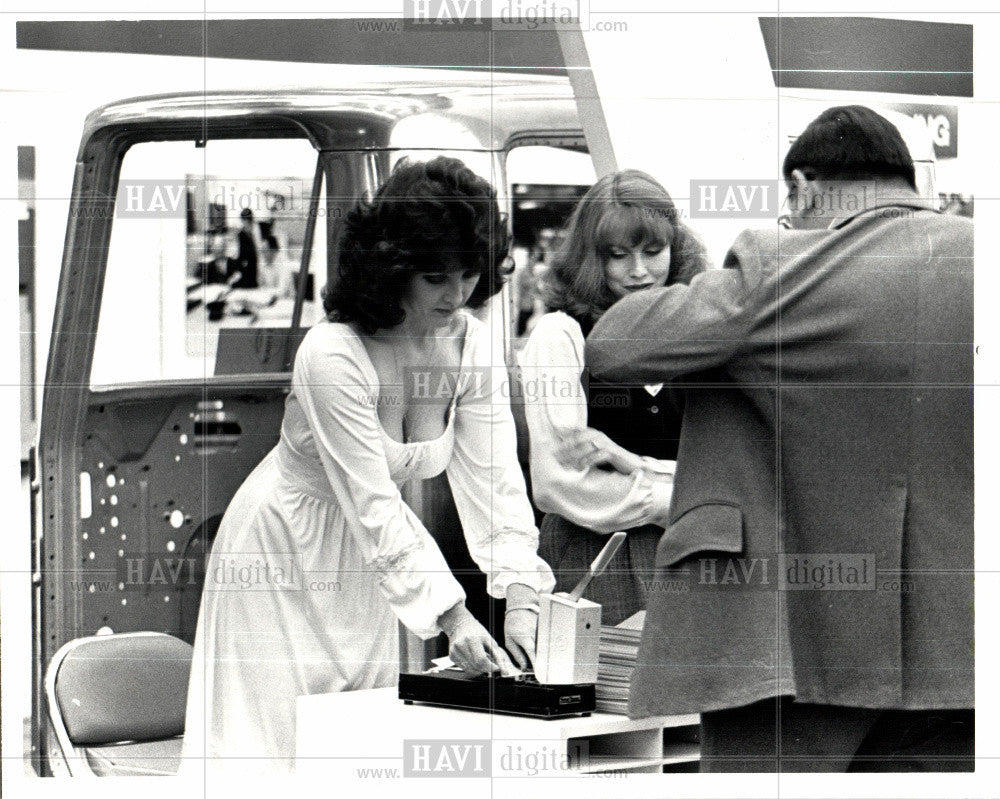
x: 643, y: 423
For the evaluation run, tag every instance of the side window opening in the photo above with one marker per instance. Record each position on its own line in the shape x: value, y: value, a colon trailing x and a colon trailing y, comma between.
x: 546, y: 183
x: 204, y: 258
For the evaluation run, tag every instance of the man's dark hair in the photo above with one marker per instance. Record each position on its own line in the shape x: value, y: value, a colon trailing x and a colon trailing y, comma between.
x: 428, y: 216
x: 850, y: 142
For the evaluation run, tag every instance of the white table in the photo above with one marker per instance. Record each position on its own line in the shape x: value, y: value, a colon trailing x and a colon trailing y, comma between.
x: 371, y: 744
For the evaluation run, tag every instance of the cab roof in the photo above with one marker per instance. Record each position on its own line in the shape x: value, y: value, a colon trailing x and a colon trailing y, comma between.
x: 485, y: 112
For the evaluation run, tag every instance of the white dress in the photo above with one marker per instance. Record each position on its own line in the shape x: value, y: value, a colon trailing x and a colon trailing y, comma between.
x: 318, y: 556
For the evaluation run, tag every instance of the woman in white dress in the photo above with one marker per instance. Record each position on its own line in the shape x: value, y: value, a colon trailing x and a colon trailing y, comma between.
x: 318, y: 555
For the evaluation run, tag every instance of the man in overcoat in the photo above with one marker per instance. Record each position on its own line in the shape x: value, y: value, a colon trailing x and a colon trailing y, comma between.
x: 822, y: 517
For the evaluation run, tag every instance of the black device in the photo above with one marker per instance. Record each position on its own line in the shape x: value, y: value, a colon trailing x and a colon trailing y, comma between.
x: 519, y: 696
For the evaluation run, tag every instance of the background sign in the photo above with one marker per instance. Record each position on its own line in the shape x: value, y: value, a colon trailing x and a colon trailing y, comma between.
x: 941, y: 122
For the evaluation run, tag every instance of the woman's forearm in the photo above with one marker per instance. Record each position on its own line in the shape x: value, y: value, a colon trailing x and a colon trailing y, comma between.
x: 452, y: 617
x: 520, y: 595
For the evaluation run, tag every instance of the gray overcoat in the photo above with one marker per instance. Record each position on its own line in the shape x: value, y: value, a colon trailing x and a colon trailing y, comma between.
x: 821, y: 542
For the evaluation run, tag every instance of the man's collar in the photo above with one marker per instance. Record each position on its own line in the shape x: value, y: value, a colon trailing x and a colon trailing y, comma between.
x: 878, y: 201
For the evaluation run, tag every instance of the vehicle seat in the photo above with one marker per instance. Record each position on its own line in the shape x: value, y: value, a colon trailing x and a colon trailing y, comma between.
x: 116, y: 703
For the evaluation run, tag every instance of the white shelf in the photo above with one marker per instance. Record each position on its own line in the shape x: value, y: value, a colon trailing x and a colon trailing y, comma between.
x: 637, y: 764
x: 598, y: 723
x: 575, y: 747
x: 673, y: 754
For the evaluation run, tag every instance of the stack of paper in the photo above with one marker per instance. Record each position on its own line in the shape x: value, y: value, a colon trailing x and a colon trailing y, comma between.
x: 616, y: 662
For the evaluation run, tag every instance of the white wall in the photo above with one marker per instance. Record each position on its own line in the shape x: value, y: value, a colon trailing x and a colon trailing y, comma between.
x: 690, y: 96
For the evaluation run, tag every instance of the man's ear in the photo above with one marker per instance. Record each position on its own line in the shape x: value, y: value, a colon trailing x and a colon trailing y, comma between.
x: 803, y: 189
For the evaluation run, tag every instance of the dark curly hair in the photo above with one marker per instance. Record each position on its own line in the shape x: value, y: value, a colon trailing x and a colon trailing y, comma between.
x: 623, y: 209
x: 426, y: 217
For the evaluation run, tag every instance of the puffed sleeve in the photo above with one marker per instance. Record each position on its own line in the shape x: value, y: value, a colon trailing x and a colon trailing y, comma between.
x: 486, y: 479
x: 555, y: 404
x: 338, y: 394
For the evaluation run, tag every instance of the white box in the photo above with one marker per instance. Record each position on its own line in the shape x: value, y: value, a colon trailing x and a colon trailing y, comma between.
x: 569, y: 638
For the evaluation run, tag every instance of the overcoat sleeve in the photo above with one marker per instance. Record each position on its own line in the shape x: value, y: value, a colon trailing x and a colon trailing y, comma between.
x: 658, y: 334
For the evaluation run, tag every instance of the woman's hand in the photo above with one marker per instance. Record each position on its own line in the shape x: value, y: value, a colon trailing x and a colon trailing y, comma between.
x: 520, y: 626
x: 470, y: 646
x: 520, y: 623
x: 582, y: 449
